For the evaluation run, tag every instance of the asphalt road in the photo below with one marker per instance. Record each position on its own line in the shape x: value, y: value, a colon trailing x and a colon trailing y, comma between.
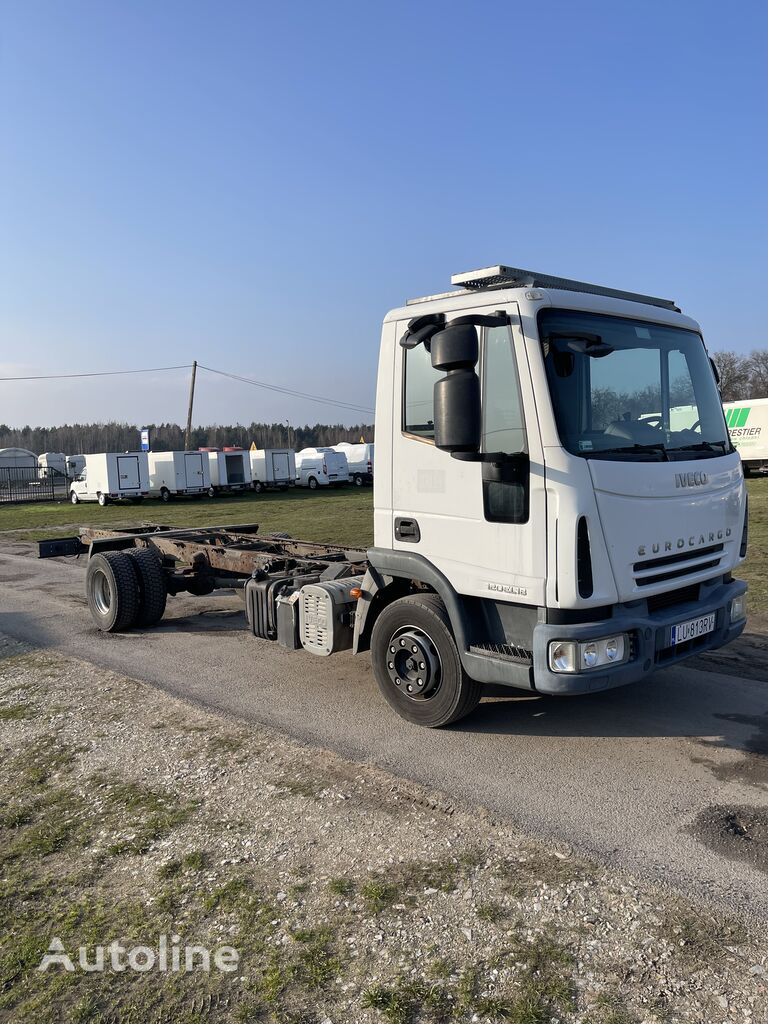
x: 622, y: 776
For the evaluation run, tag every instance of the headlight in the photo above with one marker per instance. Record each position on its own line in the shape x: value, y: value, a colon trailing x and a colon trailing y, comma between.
x: 569, y: 656
x: 739, y: 608
x: 562, y: 656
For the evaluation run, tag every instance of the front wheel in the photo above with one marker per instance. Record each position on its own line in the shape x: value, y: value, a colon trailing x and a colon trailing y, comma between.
x: 103, y: 499
x: 258, y: 486
x: 211, y: 492
x: 73, y: 498
x: 417, y: 665
x: 165, y: 495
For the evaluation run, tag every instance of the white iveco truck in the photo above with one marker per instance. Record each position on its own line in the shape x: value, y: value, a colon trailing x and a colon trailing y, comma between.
x: 540, y: 523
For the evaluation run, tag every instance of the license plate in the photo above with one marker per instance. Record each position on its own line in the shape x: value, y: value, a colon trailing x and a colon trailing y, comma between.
x: 693, y: 628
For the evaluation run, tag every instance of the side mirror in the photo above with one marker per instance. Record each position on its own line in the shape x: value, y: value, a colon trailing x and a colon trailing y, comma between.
x: 715, y: 370
x: 458, y: 422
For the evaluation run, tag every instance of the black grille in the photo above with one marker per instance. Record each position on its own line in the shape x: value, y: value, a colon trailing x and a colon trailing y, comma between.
x: 681, y: 556
x: 509, y: 652
x: 675, y: 574
x: 673, y: 597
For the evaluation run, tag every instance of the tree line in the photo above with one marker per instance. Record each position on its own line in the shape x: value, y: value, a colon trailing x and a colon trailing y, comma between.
x: 76, y: 438
x: 742, y: 377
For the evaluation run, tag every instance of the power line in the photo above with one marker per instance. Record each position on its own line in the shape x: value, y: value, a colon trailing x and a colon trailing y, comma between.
x: 100, y: 373
x: 185, y: 366
x: 287, y: 391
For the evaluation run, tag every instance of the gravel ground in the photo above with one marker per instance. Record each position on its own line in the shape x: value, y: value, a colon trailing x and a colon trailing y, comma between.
x: 349, y: 894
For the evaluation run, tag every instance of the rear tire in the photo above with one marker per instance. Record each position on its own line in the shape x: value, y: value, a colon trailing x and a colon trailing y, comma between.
x: 211, y: 492
x: 412, y: 646
x: 358, y: 480
x: 153, y: 591
x: 258, y: 486
x: 112, y: 591
x: 165, y: 494
x: 312, y: 484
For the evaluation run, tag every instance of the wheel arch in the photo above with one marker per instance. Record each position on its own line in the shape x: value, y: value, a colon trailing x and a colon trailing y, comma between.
x: 391, y: 575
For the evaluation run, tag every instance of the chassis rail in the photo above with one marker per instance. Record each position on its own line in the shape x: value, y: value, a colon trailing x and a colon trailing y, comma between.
x: 225, y: 553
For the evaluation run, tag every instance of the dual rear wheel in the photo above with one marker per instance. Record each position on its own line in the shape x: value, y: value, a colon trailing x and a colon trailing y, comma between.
x: 125, y: 589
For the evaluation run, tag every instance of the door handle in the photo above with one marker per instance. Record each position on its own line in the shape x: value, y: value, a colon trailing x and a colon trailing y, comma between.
x: 407, y: 529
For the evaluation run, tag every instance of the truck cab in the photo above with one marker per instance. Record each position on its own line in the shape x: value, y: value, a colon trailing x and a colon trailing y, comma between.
x: 541, y: 503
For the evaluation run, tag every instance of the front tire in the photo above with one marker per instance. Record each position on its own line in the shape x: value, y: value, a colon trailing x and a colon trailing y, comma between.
x: 417, y: 665
x: 74, y: 498
x: 165, y: 495
x: 103, y: 499
x: 211, y: 492
x: 258, y: 486
x: 112, y: 591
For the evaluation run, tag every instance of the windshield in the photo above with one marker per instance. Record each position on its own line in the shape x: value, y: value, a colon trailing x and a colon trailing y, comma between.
x: 631, y: 389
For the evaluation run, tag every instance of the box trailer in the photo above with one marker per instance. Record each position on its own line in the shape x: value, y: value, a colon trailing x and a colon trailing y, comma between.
x: 539, y: 522
x: 321, y: 467
x: 230, y: 471
x: 111, y: 476
x: 273, y: 467
x: 748, y: 429
x: 359, y: 461
x: 179, y: 473
x: 52, y: 464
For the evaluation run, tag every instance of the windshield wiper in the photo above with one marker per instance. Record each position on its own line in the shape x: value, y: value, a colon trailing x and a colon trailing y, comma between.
x: 631, y: 448
x: 703, y: 446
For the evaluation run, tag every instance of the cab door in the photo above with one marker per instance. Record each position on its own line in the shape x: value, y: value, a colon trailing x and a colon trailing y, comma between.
x: 483, y: 530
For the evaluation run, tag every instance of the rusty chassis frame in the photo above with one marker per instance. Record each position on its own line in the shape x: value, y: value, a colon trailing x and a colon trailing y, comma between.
x: 202, y: 559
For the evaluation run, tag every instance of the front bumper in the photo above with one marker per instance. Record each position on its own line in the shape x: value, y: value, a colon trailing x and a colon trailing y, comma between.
x: 650, y: 637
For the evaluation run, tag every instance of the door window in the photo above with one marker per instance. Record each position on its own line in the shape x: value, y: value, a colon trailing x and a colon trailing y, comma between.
x: 505, y: 498
x: 418, y: 404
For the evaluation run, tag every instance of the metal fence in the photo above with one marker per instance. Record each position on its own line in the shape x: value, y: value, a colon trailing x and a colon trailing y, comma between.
x: 31, y: 484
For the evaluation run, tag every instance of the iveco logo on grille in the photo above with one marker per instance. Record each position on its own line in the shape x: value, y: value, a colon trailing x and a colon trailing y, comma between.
x: 690, y: 479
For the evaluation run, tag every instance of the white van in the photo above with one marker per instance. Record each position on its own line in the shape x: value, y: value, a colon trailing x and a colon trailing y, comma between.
x: 111, y: 476
x: 319, y: 467
x: 176, y: 473
x: 359, y: 460
x: 273, y: 467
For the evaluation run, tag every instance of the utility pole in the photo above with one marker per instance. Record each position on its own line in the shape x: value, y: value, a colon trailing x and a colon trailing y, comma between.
x: 188, y: 435
x: 288, y: 424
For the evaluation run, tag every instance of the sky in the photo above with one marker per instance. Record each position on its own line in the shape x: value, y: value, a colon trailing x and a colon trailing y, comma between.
x: 253, y: 185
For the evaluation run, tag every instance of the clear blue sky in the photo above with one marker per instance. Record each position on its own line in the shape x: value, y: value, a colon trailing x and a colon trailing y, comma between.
x: 255, y: 184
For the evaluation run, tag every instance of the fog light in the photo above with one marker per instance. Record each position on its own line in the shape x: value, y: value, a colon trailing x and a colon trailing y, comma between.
x: 589, y: 655
x: 739, y: 608
x: 562, y: 656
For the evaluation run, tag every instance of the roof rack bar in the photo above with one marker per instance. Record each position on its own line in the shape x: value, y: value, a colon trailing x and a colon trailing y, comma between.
x: 512, y: 277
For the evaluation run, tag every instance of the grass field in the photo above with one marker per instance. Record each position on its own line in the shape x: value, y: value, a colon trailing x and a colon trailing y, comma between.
x: 339, y: 516
x: 343, y: 516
